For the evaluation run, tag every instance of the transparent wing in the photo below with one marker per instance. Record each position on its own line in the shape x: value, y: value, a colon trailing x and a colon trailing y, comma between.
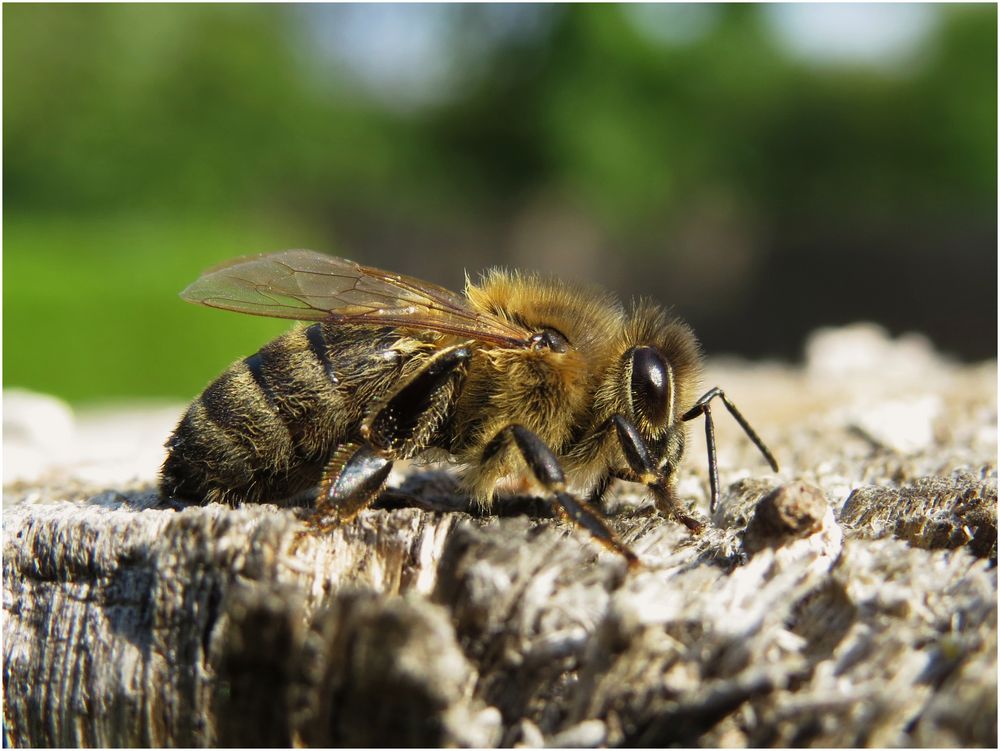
x: 308, y: 286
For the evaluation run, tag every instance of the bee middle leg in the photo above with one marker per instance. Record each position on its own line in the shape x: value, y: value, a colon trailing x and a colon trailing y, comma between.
x: 399, y: 426
x: 544, y: 465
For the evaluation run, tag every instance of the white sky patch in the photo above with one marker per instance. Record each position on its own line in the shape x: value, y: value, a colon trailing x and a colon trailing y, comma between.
x: 413, y: 55
x: 396, y: 52
x: 676, y: 24
x: 886, y: 35
x: 410, y: 56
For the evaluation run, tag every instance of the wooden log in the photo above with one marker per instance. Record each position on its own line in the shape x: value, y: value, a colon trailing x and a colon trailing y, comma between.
x: 850, y: 600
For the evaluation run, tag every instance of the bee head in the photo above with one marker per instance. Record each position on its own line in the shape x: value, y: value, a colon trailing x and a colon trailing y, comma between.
x: 656, y: 374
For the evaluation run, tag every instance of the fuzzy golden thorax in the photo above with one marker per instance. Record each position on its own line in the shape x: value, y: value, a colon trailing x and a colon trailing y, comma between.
x: 586, y: 315
x: 547, y: 390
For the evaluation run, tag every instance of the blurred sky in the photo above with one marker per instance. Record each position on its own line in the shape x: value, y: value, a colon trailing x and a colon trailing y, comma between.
x: 399, y: 53
x: 765, y: 169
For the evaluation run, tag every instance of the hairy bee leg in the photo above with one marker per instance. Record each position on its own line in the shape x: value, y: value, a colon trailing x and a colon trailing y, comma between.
x: 399, y: 426
x: 663, y: 499
x: 644, y: 470
x: 666, y: 503
x: 596, y: 500
x: 544, y: 465
x: 404, y: 423
x: 701, y: 407
x: 351, y: 482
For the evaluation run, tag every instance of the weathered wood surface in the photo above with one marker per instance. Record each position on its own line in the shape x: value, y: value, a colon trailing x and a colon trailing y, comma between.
x: 850, y: 600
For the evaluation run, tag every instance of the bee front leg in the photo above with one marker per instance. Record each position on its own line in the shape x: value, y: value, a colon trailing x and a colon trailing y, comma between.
x: 643, y: 469
x: 544, y: 465
x: 399, y: 426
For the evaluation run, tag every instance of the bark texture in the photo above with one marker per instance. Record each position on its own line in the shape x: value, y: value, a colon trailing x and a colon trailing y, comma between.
x: 849, y: 601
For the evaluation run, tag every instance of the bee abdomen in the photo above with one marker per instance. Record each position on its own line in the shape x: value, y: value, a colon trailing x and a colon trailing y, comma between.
x: 260, y: 431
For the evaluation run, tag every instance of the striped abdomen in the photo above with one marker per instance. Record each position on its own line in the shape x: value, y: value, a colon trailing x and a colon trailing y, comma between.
x: 265, y: 428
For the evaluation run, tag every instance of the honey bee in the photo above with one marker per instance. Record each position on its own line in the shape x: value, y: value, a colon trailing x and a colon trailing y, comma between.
x: 523, y: 376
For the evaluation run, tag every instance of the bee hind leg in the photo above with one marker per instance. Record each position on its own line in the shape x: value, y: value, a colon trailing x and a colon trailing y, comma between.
x: 351, y: 482
x: 398, y: 427
x: 544, y: 465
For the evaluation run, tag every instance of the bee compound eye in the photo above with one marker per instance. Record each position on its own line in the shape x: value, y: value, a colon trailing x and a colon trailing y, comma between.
x: 550, y: 339
x: 651, y: 385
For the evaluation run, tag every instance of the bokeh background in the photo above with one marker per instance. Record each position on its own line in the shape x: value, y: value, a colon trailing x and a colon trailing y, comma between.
x: 765, y: 169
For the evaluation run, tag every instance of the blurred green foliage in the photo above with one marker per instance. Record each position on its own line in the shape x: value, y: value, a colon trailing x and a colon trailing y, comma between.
x: 761, y: 194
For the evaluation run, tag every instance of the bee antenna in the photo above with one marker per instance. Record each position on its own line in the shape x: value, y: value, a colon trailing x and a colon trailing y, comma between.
x: 702, y: 407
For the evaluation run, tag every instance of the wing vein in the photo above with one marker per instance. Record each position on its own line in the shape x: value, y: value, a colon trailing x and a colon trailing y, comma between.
x: 305, y: 285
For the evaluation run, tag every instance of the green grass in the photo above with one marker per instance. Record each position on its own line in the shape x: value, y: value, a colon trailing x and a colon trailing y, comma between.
x: 91, y: 311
